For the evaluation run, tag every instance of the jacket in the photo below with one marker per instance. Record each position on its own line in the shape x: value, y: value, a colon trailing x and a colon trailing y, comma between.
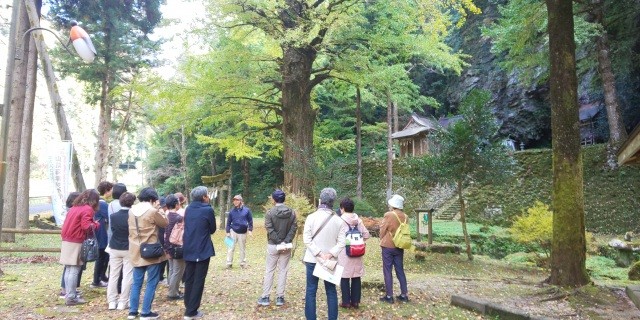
x: 199, y: 225
x: 353, y: 266
x: 329, y: 240
x: 389, y: 226
x: 149, y: 221
x: 120, y: 230
x: 240, y: 220
x: 280, y: 222
x: 102, y: 216
x: 77, y: 223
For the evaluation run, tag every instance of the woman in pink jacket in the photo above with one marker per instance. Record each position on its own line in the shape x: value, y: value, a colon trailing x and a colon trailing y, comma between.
x: 76, y: 228
x: 350, y: 284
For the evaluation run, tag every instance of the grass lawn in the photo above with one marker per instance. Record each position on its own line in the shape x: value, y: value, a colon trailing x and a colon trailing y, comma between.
x: 30, y: 285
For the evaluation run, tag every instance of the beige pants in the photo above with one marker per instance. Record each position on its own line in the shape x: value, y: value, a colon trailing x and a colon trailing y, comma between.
x: 281, y: 261
x: 119, y: 260
x: 240, y: 241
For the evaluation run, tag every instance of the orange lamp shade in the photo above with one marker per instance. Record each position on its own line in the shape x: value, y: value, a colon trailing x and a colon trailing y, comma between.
x: 82, y: 43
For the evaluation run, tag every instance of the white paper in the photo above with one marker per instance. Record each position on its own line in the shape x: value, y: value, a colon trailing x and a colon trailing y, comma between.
x: 328, y: 275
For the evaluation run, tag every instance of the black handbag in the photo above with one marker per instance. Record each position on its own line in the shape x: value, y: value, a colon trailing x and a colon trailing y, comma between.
x: 149, y: 250
x: 90, y: 249
x: 176, y: 252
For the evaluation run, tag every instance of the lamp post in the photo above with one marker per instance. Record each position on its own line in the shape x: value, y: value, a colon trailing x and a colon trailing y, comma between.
x: 84, y: 48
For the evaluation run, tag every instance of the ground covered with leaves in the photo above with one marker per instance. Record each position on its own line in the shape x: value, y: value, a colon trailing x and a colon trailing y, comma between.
x: 30, y: 285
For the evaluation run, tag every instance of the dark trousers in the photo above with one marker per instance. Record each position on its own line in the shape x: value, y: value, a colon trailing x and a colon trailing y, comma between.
x: 194, y: 274
x: 163, y: 268
x: 351, y: 289
x: 392, y: 257
x: 100, y: 267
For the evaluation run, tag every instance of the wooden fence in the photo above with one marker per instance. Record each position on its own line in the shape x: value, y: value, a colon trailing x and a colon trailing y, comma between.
x: 27, y: 249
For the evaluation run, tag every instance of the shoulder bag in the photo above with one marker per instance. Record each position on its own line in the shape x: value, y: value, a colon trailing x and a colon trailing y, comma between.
x: 149, y: 250
x: 90, y: 251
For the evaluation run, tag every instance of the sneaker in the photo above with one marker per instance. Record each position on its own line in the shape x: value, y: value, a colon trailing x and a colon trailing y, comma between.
x: 228, y: 266
x: 178, y: 297
x: 387, y: 299
x: 74, y: 302
x: 112, y: 305
x: 402, y: 298
x: 345, y: 305
x: 149, y: 316
x: 264, y: 301
x: 279, y: 301
x: 199, y: 315
x: 132, y: 315
x: 101, y: 284
x: 355, y: 305
x: 121, y: 306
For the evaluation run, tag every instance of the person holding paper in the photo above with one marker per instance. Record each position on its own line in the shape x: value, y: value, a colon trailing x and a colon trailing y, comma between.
x: 280, y: 222
x: 324, y: 235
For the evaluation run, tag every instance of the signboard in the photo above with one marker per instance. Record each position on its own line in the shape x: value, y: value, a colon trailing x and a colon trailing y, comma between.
x: 423, y: 222
x: 59, y: 161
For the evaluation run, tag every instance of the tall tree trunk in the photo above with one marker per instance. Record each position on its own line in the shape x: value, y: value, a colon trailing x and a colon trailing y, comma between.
x: 359, y: 143
x: 104, y: 130
x: 396, y: 125
x: 389, y: 146
x: 298, y: 119
x: 18, y: 92
x: 617, y: 131
x: 463, y: 220
x: 54, y: 94
x: 6, y: 111
x: 568, y: 252
x: 24, y: 167
x: 246, y: 170
x: 183, y: 160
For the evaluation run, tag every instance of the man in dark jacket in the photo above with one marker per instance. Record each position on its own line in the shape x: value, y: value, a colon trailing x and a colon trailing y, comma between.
x: 102, y: 215
x: 280, y: 222
x: 239, y: 223
x: 199, y: 225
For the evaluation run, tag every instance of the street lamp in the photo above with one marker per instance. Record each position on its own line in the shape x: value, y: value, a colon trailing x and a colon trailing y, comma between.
x: 84, y: 48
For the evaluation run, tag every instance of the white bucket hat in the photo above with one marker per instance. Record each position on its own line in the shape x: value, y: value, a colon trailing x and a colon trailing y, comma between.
x: 396, y: 201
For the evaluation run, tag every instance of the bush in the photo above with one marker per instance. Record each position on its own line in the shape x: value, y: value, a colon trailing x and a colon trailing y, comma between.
x: 300, y: 205
x: 535, y: 226
x: 364, y: 208
x: 634, y: 272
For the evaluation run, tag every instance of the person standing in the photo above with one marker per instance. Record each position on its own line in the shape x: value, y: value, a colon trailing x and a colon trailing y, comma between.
x: 144, y: 221
x: 351, y: 284
x: 119, y: 259
x: 102, y: 215
x: 392, y: 257
x: 199, y: 225
x: 78, y: 225
x: 324, y: 235
x: 280, y: 222
x: 176, y: 265
x: 114, y: 206
x: 239, y: 223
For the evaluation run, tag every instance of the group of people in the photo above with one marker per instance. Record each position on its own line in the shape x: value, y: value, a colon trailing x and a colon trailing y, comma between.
x: 128, y: 226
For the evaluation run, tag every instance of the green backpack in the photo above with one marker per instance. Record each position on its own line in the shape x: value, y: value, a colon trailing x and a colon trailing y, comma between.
x: 402, y: 237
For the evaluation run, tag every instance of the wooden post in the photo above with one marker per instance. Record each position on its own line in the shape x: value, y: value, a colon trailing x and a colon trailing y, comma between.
x: 429, y: 225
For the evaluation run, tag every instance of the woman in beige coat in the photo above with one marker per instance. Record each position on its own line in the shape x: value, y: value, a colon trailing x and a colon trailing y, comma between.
x: 144, y: 221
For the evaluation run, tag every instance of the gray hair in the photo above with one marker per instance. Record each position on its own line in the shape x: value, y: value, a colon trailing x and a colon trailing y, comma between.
x: 198, y: 193
x: 327, y: 196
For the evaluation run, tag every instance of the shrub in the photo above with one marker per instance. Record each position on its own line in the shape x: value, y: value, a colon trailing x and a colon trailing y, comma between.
x: 634, y: 272
x: 299, y: 203
x: 364, y: 208
x: 535, y: 226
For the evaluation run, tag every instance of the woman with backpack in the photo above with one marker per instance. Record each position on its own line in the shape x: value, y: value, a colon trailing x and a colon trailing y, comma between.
x: 351, y: 257
x: 392, y: 255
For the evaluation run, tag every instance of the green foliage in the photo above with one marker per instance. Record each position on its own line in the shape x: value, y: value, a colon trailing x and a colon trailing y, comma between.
x: 604, y: 268
x: 535, y: 226
x: 634, y: 272
x: 364, y: 208
x: 299, y: 203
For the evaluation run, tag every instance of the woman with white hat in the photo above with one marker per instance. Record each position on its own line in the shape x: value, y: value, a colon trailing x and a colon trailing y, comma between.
x: 392, y: 256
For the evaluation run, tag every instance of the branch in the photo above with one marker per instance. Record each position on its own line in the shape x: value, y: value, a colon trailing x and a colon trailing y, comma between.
x: 253, y: 99
x: 317, y: 79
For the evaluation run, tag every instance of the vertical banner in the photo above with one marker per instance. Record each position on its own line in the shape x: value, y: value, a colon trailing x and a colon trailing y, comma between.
x: 60, y: 177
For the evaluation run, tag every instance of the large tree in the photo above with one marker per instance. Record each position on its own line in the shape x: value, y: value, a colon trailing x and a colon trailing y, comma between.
x: 269, y: 57
x: 119, y: 31
x: 568, y: 251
